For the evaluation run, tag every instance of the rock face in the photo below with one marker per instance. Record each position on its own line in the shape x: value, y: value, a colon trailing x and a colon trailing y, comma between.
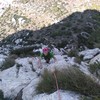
x: 96, y: 59
x: 19, y: 95
x: 89, y: 54
x: 79, y: 30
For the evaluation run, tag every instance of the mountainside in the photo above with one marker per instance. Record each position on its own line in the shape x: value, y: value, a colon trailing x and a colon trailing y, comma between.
x: 78, y: 31
x: 71, y: 31
x: 36, y: 14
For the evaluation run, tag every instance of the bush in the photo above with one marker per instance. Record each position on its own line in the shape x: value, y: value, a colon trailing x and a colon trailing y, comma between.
x: 95, y: 68
x: 96, y: 45
x: 68, y: 79
x: 72, y: 53
x: 88, y: 98
x: 9, y: 62
x: 85, y: 98
x: 78, y: 59
x: 95, y: 38
x: 47, y: 84
x: 1, y: 95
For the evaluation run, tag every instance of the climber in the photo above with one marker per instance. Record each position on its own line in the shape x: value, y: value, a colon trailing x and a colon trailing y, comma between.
x: 47, y: 55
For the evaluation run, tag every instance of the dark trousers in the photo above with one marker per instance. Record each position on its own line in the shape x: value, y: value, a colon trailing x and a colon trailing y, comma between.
x: 47, y: 60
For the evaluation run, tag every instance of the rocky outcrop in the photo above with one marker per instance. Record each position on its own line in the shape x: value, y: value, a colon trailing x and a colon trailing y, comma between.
x: 96, y: 59
x: 19, y: 95
x: 89, y: 54
x: 1, y: 95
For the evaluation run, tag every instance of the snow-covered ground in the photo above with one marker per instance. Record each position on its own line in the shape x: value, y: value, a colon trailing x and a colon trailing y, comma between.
x: 11, y: 82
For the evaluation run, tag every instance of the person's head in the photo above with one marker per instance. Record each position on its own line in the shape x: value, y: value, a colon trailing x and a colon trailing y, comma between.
x: 45, y: 50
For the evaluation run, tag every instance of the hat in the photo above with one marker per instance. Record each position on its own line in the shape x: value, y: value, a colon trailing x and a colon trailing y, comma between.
x: 45, y: 49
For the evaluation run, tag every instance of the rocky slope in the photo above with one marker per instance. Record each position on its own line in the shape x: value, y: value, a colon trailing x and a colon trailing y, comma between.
x: 19, y: 81
x: 36, y: 14
x: 26, y: 25
x: 78, y: 31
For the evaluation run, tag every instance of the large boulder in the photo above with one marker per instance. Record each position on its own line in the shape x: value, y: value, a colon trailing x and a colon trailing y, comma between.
x: 89, y: 54
x: 96, y: 59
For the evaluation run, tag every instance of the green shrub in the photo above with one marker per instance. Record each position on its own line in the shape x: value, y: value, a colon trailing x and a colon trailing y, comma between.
x: 57, y: 32
x: 1, y: 95
x: 96, y: 45
x: 47, y: 84
x: 72, y: 53
x: 9, y: 62
x: 82, y: 97
x: 78, y: 59
x: 7, y: 98
x: 68, y: 79
x: 94, y: 68
x: 94, y: 39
